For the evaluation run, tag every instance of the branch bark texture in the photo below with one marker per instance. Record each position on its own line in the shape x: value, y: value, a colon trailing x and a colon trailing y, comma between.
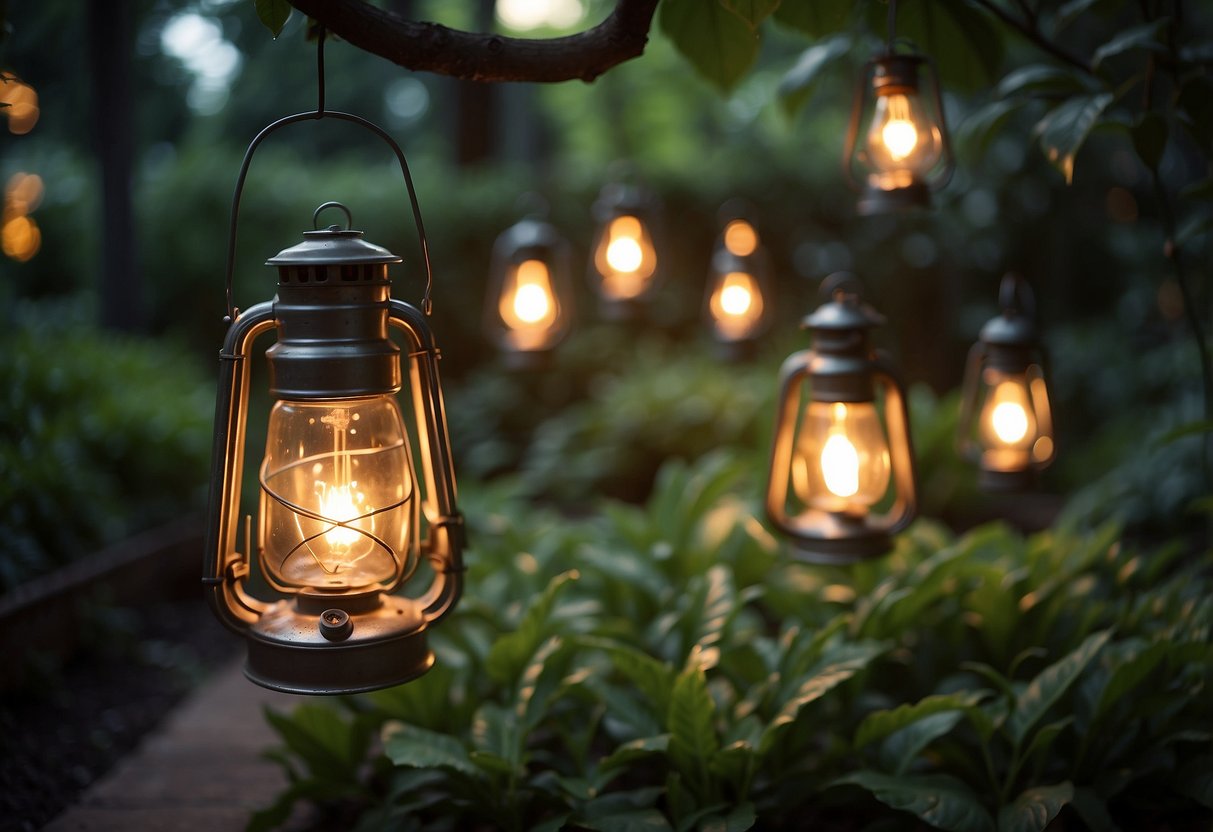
x: 472, y: 56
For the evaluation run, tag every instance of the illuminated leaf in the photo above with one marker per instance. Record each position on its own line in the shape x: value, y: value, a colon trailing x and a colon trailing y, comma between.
x: 719, y: 44
x: 273, y: 13
x: 1064, y: 129
x: 1035, y: 809
x: 939, y: 799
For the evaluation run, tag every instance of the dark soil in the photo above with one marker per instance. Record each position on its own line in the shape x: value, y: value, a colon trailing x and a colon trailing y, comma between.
x: 70, y: 723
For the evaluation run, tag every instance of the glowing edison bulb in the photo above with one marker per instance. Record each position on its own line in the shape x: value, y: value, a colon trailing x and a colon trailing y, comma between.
x: 736, y: 305
x: 903, y: 144
x: 842, y: 458
x: 527, y: 300
x: 1007, y: 418
x: 338, y: 496
x: 625, y: 257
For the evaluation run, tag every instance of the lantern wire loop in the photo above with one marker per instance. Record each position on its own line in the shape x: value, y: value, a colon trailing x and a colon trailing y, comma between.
x: 427, y: 305
x: 841, y: 286
x: 349, y: 219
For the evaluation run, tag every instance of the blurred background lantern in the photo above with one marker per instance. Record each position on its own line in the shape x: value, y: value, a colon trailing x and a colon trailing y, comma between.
x: 1006, y: 424
x: 738, y: 291
x: 529, y: 303
x: 623, y: 267
x: 841, y: 480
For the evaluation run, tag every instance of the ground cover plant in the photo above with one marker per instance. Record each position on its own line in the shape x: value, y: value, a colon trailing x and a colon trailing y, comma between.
x: 665, y: 666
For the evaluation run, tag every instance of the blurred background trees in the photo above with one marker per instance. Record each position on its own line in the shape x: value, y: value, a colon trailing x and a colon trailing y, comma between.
x: 1083, y: 131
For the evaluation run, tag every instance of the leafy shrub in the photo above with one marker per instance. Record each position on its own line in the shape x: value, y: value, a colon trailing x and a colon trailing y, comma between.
x: 665, y: 666
x: 100, y: 435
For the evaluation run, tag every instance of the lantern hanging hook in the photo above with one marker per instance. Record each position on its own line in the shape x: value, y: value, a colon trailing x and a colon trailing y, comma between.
x: 320, y: 112
x: 1015, y: 297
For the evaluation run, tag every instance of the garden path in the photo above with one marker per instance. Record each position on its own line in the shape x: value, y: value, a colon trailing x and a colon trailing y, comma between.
x: 201, y: 771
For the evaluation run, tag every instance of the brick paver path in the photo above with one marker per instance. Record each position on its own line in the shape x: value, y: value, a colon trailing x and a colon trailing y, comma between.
x: 202, y: 771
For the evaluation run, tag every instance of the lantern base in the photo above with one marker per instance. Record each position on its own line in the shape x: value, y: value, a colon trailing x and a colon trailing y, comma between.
x: 294, y: 651
x: 735, y: 352
x: 1006, y: 481
x: 880, y: 201
x: 839, y: 539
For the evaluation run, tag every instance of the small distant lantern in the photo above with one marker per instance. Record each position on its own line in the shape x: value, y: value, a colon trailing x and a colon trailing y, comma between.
x: 897, y: 149
x: 623, y: 268
x: 841, y: 480
x: 1006, y: 425
x: 738, y: 288
x: 342, y: 501
x: 529, y: 303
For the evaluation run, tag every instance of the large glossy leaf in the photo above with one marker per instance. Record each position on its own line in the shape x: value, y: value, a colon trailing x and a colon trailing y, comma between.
x: 881, y: 724
x: 752, y: 12
x: 738, y: 819
x: 966, y: 46
x: 1145, y: 36
x: 692, y: 733
x: 331, y: 744
x: 1049, y: 686
x: 654, y: 679
x: 636, y: 749
x: 1040, y: 78
x: 511, y: 653
x: 273, y: 14
x: 814, y: 17
x: 939, y: 799
x: 1064, y: 129
x: 1035, y: 808
x: 412, y: 747
x: 799, y: 82
x: 902, y: 748
x: 719, y: 44
x: 1127, y: 676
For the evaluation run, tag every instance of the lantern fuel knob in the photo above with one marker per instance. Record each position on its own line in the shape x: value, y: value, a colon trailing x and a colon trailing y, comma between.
x: 335, y: 625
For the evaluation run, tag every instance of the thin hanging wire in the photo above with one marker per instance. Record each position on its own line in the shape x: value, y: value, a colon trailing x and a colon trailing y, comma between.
x: 892, y: 26
x: 427, y: 305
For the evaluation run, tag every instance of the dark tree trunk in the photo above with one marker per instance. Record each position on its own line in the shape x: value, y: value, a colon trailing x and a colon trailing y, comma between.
x: 110, y: 27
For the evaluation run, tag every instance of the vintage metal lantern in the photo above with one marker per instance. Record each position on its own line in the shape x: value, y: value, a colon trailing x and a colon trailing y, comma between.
x: 841, y: 480
x: 623, y: 266
x: 897, y: 149
x: 529, y: 303
x: 347, y: 512
x: 738, y: 291
x: 1006, y: 425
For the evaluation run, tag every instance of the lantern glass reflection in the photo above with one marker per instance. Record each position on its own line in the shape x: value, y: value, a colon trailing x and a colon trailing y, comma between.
x: 337, y: 482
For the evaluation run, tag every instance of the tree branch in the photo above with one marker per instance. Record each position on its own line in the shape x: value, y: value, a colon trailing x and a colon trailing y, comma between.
x: 1029, y: 29
x: 431, y: 47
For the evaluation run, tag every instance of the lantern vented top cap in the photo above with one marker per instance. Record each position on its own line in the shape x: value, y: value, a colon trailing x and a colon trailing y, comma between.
x: 529, y: 233
x: 333, y: 245
x: 1015, y: 326
x: 845, y: 309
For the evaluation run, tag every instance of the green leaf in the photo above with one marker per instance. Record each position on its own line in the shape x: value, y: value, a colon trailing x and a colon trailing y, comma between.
x: 510, y: 654
x: 752, y: 12
x: 273, y: 14
x: 966, y: 46
x: 692, y: 733
x: 412, y: 747
x: 798, y: 83
x: 738, y: 820
x: 939, y: 799
x: 980, y: 127
x: 1051, y: 684
x: 1064, y: 129
x: 815, y: 18
x: 1039, y: 78
x: 624, y: 812
x: 636, y: 749
x: 1144, y: 36
x: 1150, y: 139
x: 903, y: 747
x: 332, y: 745
x: 654, y: 678
x: 829, y: 674
x: 1043, y: 739
x: 881, y: 724
x: 1196, y: 780
x: 1035, y: 808
x: 1127, y: 676
x: 719, y: 44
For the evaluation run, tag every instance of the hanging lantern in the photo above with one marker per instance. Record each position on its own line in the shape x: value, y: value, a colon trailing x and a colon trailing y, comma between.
x: 897, y: 149
x: 1006, y: 425
x: 841, y: 480
x: 623, y: 268
x: 529, y: 302
x: 738, y: 288
x: 342, y: 504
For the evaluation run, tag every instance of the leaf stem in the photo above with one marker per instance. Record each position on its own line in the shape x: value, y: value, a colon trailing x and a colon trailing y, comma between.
x: 1029, y: 29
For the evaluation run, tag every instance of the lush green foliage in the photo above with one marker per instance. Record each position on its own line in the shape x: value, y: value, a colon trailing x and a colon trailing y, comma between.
x: 666, y: 666
x: 101, y: 436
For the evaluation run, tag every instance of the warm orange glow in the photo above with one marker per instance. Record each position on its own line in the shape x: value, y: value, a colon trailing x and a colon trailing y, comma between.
x: 23, y: 193
x: 625, y: 258
x: 20, y: 238
x: 842, y: 460
x: 740, y: 238
x: 22, y: 109
x: 736, y: 305
x: 903, y: 143
x: 528, y: 305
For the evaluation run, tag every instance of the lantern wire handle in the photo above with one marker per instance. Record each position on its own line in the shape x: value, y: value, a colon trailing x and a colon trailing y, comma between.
x: 892, y: 18
x: 1015, y: 297
x: 427, y: 305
